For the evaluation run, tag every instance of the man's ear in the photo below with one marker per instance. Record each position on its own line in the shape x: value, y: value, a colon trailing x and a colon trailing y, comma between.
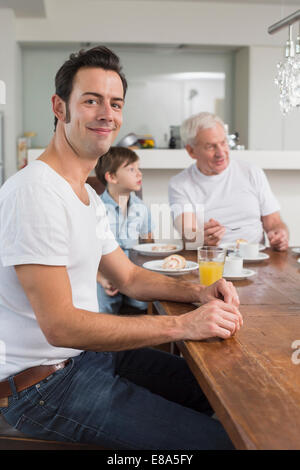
x: 190, y: 151
x: 59, y: 108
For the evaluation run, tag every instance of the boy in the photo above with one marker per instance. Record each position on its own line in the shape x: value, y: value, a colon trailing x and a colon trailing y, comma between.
x: 129, y: 218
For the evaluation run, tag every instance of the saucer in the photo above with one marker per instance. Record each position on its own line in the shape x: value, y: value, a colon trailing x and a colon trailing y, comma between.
x: 232, y: 247
x: 260, y: 257
x: 296, y: 250
x: 243, y: 275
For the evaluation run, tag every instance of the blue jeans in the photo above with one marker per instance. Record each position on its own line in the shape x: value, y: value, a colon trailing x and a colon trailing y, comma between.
x: 143, y: 399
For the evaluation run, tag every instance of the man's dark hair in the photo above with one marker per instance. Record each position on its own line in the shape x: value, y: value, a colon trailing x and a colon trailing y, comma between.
x: 99, y: 56
x: 112, y: 160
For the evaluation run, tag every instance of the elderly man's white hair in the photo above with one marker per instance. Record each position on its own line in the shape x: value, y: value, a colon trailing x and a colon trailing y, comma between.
x: 193, y: 124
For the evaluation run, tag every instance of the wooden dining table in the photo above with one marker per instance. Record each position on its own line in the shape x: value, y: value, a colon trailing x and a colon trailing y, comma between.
x: 252, y: 380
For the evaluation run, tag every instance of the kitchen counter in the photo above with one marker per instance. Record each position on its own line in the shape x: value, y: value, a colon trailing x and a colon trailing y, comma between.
x: 177, y: 159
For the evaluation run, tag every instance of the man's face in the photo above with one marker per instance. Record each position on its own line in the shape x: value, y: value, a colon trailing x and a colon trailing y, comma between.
x: 210, y: 150
x: 94, y: 111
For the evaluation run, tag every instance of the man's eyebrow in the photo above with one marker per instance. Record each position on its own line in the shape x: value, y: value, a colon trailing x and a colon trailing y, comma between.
x: 100, y: 96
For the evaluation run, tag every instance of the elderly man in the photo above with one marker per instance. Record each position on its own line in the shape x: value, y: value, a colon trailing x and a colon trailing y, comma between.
x: 237, y: 199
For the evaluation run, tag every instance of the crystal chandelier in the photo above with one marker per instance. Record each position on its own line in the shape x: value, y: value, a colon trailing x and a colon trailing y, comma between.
x: 288, y: 71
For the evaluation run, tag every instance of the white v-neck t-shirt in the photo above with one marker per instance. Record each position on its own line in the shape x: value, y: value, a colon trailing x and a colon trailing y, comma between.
x: 237, y: 198
x: 42, y: 221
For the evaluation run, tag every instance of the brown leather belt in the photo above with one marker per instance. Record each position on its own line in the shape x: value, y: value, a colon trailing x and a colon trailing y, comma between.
x: 30, y: 377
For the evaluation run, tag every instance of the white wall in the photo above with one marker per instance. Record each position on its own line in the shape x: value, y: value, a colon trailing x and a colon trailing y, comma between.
x: 256, y: 103
x: 40, y: 65
x: 153, y: 103
x: 11, y: 74
x: 241, y: 95
x: 154, y: 100
x: 178, y: 22
x: 286, y: 187
x: 141, y: 22
x: 265, y: 118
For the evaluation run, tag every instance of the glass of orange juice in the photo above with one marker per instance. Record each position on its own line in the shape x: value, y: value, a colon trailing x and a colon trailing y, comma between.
x: 211, y: 261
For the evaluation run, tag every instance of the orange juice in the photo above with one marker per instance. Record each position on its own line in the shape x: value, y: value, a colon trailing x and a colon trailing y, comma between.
x: 210, y: 272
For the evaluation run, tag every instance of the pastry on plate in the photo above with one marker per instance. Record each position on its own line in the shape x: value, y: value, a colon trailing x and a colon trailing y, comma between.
x: 164, y: 247
x: 174, y: 262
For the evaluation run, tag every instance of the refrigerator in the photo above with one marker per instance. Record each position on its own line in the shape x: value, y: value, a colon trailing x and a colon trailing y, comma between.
x: 1, y: 148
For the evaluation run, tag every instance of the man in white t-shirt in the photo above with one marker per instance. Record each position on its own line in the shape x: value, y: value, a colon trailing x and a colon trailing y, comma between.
x: 71, y: 373
x: 234, y: 195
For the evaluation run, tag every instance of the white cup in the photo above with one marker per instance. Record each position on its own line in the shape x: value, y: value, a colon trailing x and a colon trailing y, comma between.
x: 248, y: 250
x: 233, y: 266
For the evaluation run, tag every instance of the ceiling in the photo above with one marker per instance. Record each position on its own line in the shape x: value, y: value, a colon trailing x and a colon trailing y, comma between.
x: 36, y: 8
x: 266, y: 2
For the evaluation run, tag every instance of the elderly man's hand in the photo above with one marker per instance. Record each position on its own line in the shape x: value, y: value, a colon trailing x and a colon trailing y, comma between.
x: 213, y: 232
x: 278, y: 239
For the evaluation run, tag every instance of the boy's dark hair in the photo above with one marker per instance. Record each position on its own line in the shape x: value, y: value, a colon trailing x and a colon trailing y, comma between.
x: 99, y: 56
x: 112, y: 160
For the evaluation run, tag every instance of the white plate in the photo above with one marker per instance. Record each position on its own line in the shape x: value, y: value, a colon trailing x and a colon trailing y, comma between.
x: 146, y: 249
x: 296, y: 250
x: 232, y: 246
x: 156, y: 265
x: 261, y: 257
x: 244, y: 275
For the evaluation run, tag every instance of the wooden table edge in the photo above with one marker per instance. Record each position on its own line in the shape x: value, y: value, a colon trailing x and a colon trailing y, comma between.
x: 229, y: 425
